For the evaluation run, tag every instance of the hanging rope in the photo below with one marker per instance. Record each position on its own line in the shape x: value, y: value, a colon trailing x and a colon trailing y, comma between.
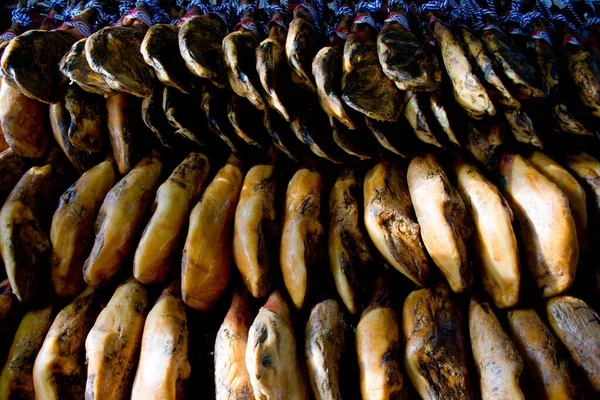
x: 335, y: 29
x: 527, y: 18
x: 100, y: 15
x: 245, y: 8
x: 514, y: 15
x: 336, y: 5
x: 21, y: 16
x: 492, y: 8
x: 541, y: 5
x: 111, y: 19
x: 590, y: 4
x: 316, y: 12
x: 563, y: 19
x: 433, y: 6
x: 319, y: 7
x: 260, y: 22
x: 197, y: 3
x: 459, y: 16
x: 143, y: 15
x: 247, y: 24
x: 479, y: 14
x: 126, y: 7
x: 147, y: 3
x: 58, y: 5
x: 370, y: 7
x: 591, y: 22
x: 271, y: 9
x: 476, y: 17
x: 284, y: 4
x: 72, y: 20
x: 159, y: 16
x: 470, y: 11
x: 392, y: 3
x: 578, y: 21
x: 224, y: 8
x: 224, y: 11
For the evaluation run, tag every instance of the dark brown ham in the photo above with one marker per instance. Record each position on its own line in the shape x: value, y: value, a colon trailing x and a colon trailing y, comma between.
x: 485, y: 68
x: 113, y: 52
x: 122, y: 112
x: 418, y: 120
x: 522, y: 128
x: 246, y: 121
x: 24, y: 122
x: 468, y: 90
x: 282, y: 136
x: 357, y: 142
x: 32, y: 59
x: 515, y: 67
x: 75, y: 66
x: 365, y: 87
x: 326, y: 342
x: 271, y: 65
x: 16, y: 29
x: 86, y: 131
x: 441, y: 116
x: 585, y: 73
x: 214, y: 105
x: 155, y: 119
x: 61, y: 122
x: 391, y: 223
x: 482, y: 142
x: 392, y: 136
x: 161, y: 51
x: 348, y: 246
x: 402, y: 56
x: 184, y: 113
x: 309, y: 124
x: 200, y: 44
x: 546, y: 60
x: 24, y: 223
x: 302, y: 44
x: 239, y: 52
x: 327, y: 70
x: 12, y: 167
x: 567, y: 122
x: 435, y: 357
